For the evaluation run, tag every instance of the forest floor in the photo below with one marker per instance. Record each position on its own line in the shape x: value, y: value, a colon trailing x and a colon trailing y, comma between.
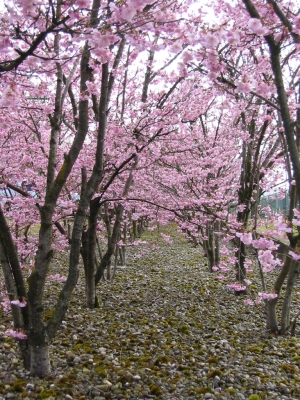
x: 165, y: 329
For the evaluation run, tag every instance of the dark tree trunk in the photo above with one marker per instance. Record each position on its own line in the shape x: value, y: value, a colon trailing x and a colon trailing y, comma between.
x: 113, y: 240
x: 20, y: 323
x: 241, y: 253
x: 272, y: 322
x: 40, y: 361
x: 209, y: 246
x: 89, y: 246
x: 286, y: 307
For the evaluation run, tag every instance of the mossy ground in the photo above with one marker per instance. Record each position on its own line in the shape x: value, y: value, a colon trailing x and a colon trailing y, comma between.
x: 164, y: 327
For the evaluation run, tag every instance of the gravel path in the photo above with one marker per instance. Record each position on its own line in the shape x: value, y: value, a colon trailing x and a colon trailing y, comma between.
x: 165, y: 329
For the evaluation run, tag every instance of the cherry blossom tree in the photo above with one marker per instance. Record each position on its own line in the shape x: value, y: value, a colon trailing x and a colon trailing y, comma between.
x: 65, y: 138
x: 104, y: 122
x: 265, y: 35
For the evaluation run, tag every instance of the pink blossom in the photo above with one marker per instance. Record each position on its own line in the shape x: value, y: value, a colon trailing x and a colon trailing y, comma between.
x: 256, y: 26
x: 128, y: 13
x: 267, y: 296
x: 248, y: 302
x: 241, y: 207
x: 84, y: 96
x: 246, y: 238
x: 175, y: 48
x: 83, y: 3
x: 263, y: 89
x: 296, y: 220
x: 19, y: 303
x: 211, y: 41
x: 263, y: 243
x: 58, y: 278
x: 212, y: 75
x: 233, y: 38
x: 294, y: 255
x: 5, y: 305
x: 267, y: 260
x: 102, y: 41
x: 237, y: 287
x: 243, y: 87
x: 5, y: 45
x: 167, y: 238
x: 282, y: 226
x: 222, y: 277
x: 16, y: 334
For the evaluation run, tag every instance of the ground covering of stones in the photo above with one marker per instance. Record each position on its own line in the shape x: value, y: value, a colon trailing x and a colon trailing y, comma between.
x: 165, y: 329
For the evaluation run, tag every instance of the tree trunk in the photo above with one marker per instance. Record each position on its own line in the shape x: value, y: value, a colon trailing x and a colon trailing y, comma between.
x: 15, y: 310
x: 122, y: 255
x: 89, y: 245
x: 40, y: 361
x: 106, y: 259
x: 286, y: 307
x: 217, y: 228
x: 241, y: 253
x: 209, y: 247
x: 272, y: 323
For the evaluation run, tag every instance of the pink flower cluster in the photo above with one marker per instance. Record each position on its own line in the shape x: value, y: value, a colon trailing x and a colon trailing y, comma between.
x: 237, y: 287
x: 19, y: 303
x: 294, y: 255
x: 267, y: 260
x: 296, y: 220
x: 267, y: 296
x: 246, y: 238
x: 58, y: 278
x: 263, y: 243
x: 256, y: 27
x: 16, y: 334
x: 167, y: 238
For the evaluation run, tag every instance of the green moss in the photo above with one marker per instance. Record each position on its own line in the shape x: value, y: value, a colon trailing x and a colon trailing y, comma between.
x: 155, y: 390
x: 213, y: 373
x: 144, y: 359
x: 204, y: 390
x: 183, y: 329
x: 255, y: 349
x: 127, y: 363
x: 291, y: 369
x: 133, y: 358
x: 230, y: 390
x: 186, y: 372
x: 124, y: 378
x: 64, y: 379
x: 45, y: 394
x: 212, y: 360
x: 254, y: 397
x: 161, y: 360
x: 88, y: 349
x: 48, y: 314
x: 97, y: 305
x: 101, y: 371
x: 72, y: 377
x: 19, y: 385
